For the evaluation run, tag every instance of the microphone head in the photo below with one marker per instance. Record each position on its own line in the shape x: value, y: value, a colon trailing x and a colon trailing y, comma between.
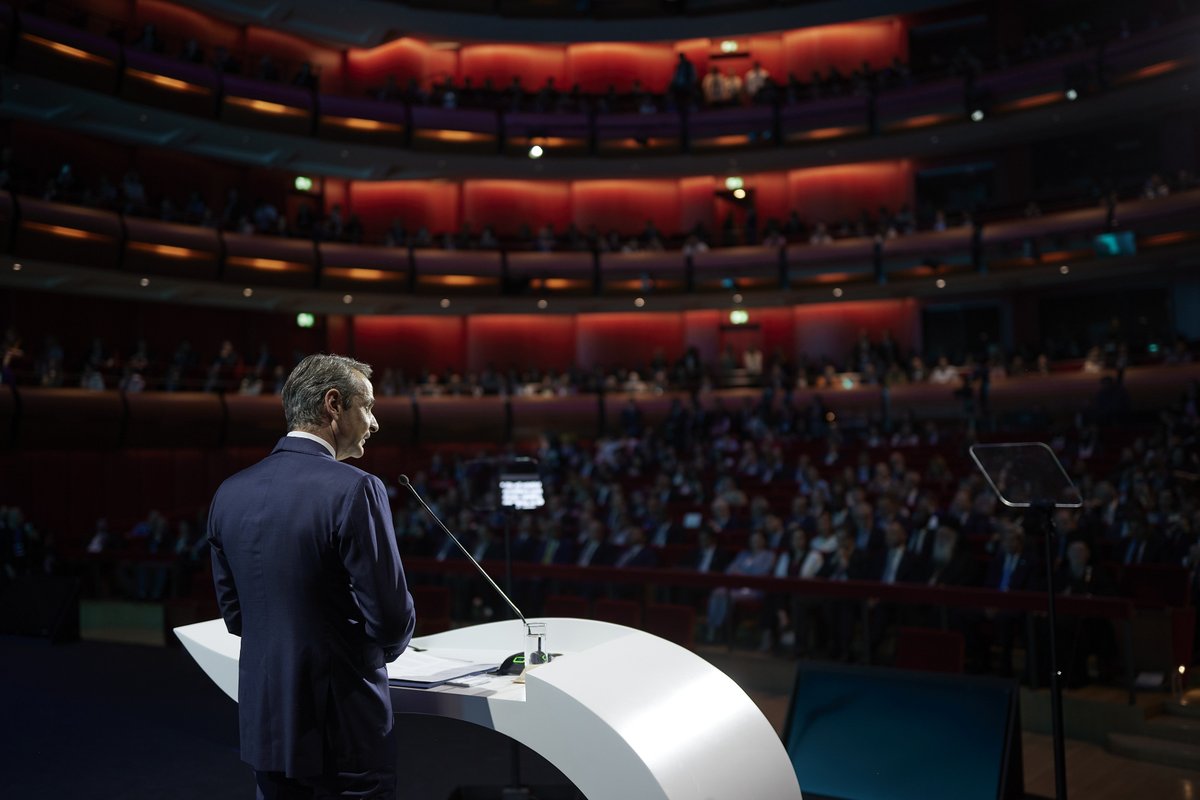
x: 404, y: 481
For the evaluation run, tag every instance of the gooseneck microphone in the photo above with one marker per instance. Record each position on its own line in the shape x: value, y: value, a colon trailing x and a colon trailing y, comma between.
x: 404, y: 481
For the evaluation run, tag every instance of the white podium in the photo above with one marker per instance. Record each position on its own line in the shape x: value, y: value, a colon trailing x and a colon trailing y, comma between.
x: 621, y: 713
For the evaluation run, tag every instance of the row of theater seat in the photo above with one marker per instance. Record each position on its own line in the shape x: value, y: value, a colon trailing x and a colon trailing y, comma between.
x: 46, y: 47
x: 89, y: 237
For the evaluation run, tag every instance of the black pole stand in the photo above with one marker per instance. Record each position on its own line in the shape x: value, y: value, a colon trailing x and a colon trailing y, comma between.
x: 514, y: 790
x: 1028, y: 475
x: 1056, y: 708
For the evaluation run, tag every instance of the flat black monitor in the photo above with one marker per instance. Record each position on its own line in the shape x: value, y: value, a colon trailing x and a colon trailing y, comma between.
x: 873, y: 733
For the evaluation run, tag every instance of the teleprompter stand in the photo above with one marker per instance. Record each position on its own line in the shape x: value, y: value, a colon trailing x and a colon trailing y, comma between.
x: 1028, y: 475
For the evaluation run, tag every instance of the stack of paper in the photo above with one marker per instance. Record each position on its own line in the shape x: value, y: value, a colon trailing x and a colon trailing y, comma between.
x: 421, y: 668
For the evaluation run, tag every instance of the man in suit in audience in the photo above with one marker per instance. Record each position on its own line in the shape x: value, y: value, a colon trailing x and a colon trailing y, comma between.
x: 636, y: 553
x: 845, y: 564
x: 1142, y: 544
x: 308, y: 575
x: 1081, y: 637
x: 1009, y: 571
x: 949, y: 565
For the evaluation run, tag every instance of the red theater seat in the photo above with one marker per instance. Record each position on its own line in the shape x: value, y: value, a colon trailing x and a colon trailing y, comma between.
x: 618, y: 612
x: 564, y: 605
x: 675, y: 623
x: 433, y: 608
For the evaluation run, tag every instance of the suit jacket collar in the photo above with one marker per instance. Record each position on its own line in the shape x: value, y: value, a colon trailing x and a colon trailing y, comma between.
x: 295, y: 444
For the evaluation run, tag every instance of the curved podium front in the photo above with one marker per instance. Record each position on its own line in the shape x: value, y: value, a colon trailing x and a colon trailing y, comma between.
x: 620, y: 713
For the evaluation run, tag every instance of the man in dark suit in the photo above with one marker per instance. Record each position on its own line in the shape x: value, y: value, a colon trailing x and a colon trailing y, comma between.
x: 949, y: 564
x: 308, y: 575
x: 1009, y: 570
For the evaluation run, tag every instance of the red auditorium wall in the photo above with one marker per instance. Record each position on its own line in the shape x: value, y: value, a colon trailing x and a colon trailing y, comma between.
x: 696, y: 202
x: 626, y: 205
x: 180, y: 22
x: 433, y: 204
x: 507, y: 205
x: 771, y: 198
x: 596, y: 66
x: 412, y: 343
x: 404, y: 58
x: 620, y: 339
x: 291, y: 51
x: 675, y: 206
x: 500, y: 62
x: 833, y: 193
x: 829, y: 329
x: 776, y: 326
x: 520, y: 340
x: 702, y: 330
x: 844, y: 46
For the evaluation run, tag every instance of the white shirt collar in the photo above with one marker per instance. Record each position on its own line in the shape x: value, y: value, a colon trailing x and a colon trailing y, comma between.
x: 315, y: 438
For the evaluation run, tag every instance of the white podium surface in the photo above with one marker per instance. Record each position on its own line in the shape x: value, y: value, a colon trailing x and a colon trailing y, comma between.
x: 623, y: 714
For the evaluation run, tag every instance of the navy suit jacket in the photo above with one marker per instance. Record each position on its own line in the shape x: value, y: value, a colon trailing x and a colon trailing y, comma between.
x: 308, y: 575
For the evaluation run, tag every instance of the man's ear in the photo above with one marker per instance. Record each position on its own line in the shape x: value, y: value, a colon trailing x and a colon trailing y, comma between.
x: 333, y: 402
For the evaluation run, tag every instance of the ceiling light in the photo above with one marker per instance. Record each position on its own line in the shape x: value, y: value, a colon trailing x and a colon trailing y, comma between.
x: 734, y: 182
x: 247, y: 292
x: 940, y: 283
x: 445, y: 302
x: 305, y: 320
x: 737, y: 298
x: 837, y: 291
x: 639, y: 302
x: 740, y: 194
x: 542, y: 303
x: 347, y: 299
x: 1064, y: 269
x: 1072, y: 94
x: 536, y: 151
x: 977, y: 115
x: 144, y: 281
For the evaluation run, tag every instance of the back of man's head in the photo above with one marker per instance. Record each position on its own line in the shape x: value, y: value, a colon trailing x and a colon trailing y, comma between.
x: 305, y: 389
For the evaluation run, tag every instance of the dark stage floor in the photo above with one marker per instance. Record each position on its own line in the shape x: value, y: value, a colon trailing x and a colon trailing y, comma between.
x: 131, y: 722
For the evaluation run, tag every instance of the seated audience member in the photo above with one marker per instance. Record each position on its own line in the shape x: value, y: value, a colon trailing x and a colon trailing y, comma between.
x: 1081, y: 638
x: 707, y: 556
x: 949, y: 565
x: 595, y: 550
x: 1142, y: 545
x: 943, y: 373
x: 845, y: 564
x: 636, y: 553
x: 1010, y: 570
x: 756, y: 560
x: 786, y: 616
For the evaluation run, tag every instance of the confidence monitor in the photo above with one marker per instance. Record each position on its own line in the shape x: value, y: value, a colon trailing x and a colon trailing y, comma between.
x: 872, y: 733
x: 490, y: 484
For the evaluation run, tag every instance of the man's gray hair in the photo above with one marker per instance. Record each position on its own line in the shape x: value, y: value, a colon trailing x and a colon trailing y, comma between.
x: 305, y: 389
